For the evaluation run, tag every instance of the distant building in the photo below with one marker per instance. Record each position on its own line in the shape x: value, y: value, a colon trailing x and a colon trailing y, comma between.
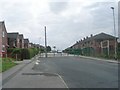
x: 96, y: 45
x: 3, y: 39
x: 37, y: 46
x: 31, y: 45
x: 21, y: 41
x: 13, y: 40
x: 26, y: 43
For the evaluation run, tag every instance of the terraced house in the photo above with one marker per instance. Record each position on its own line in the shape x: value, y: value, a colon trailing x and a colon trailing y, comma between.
x: 3, y: 40
x: 97, y: 45
x: 26, y: 43
x: 13, y: 40
x: 21, y: 40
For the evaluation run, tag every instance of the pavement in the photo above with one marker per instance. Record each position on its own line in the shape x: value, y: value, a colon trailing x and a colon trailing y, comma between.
x: 94, y: 58
x: 23, y: 76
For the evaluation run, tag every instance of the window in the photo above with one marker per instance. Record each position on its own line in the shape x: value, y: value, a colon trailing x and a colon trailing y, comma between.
x: 3, y: 48
x: 3, y: 34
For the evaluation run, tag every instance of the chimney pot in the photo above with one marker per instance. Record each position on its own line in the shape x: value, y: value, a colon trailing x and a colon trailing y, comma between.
x: 91, y: 35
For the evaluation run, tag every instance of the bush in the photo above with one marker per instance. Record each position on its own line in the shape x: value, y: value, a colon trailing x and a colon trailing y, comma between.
x: 118, y: 51
x: 23, y: 53
x: 16, y: 51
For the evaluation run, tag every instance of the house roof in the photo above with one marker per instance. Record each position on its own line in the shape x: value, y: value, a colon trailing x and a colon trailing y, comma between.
x: 101, y: 36
x: 2, y: 25
x: 26, y: 40
x: 1, y: 22
x: 13, y: 35
x: 21, y: 36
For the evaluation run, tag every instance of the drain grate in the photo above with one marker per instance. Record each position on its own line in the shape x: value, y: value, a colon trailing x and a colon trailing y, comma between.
x: 45, y: 74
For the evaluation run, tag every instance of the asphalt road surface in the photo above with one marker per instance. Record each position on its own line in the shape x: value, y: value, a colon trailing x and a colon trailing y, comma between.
x: 80, y: 72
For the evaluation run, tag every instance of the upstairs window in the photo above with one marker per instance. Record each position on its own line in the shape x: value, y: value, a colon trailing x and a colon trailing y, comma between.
x: 3, y: 34
x: 3, y: 48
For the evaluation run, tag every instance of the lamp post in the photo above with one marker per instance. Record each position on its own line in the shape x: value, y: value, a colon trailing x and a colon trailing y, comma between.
x: 45, y: 44
x: 114, y: 31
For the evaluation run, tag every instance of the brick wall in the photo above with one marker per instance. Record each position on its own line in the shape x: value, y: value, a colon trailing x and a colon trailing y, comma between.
x: 0, y: 40
x: 4, y: 39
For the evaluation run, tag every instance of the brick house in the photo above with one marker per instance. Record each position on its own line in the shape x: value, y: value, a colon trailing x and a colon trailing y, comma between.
x: 3, y: 39
x: 96, y: 45
x: 21, y: 41
x: 26, y: 43
x: 31, y: 45
x: 13, y: 40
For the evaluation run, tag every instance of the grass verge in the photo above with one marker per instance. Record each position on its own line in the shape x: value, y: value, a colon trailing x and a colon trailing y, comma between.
x: 6, y: 63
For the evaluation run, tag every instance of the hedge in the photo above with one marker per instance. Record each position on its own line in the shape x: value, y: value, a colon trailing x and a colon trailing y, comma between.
x: 22, y: 53
x: 118, y: 51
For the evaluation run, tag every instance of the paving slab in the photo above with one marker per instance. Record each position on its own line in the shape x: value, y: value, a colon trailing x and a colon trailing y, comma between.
x: 94, y: 58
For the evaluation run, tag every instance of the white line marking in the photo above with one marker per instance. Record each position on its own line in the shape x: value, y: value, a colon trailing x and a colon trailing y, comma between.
x: 36, y: 63
x: 63, y: 81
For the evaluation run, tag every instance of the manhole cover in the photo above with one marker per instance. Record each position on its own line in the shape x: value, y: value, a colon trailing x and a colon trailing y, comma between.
x: 45, y: 74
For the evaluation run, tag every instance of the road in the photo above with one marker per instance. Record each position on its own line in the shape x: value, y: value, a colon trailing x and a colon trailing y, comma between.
x: 80, y: 72
x: 73, y: 72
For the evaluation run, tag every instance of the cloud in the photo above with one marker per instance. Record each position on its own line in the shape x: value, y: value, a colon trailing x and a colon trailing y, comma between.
x: 57, y: 7
x: 66, y: 21
x: 103, y: 16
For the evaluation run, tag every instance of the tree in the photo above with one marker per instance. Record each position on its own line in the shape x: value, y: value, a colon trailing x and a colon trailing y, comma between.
x: 48, y: 48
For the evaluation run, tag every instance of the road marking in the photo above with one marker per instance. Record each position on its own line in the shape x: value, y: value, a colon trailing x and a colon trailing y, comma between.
x: 38, y: 61
x: 62, y: 80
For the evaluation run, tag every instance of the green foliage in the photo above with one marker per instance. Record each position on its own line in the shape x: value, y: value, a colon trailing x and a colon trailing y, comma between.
x: 118, y: 51
x: 16, y: 51
x: 48, y: 48
x: 42, y: 50
x: 7, y: 63
x: 73, y: 51
x: 23, y: 53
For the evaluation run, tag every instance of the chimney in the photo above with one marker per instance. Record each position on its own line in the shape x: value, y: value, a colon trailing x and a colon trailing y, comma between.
x: 84, y: 38
x: 91, y: 35
x: 76, y: 41
x: 87, y: 37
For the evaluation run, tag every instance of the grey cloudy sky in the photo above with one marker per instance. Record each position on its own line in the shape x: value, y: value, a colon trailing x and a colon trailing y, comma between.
x: 67, y: 21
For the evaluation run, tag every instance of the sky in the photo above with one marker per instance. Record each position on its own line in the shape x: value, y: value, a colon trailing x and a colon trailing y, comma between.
x: 67, y: 21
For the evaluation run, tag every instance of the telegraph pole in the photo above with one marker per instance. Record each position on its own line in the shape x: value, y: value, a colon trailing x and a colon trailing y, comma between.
x: 45, y: 43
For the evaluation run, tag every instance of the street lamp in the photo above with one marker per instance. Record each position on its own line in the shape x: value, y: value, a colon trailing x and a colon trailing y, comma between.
x: 114, y: 31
